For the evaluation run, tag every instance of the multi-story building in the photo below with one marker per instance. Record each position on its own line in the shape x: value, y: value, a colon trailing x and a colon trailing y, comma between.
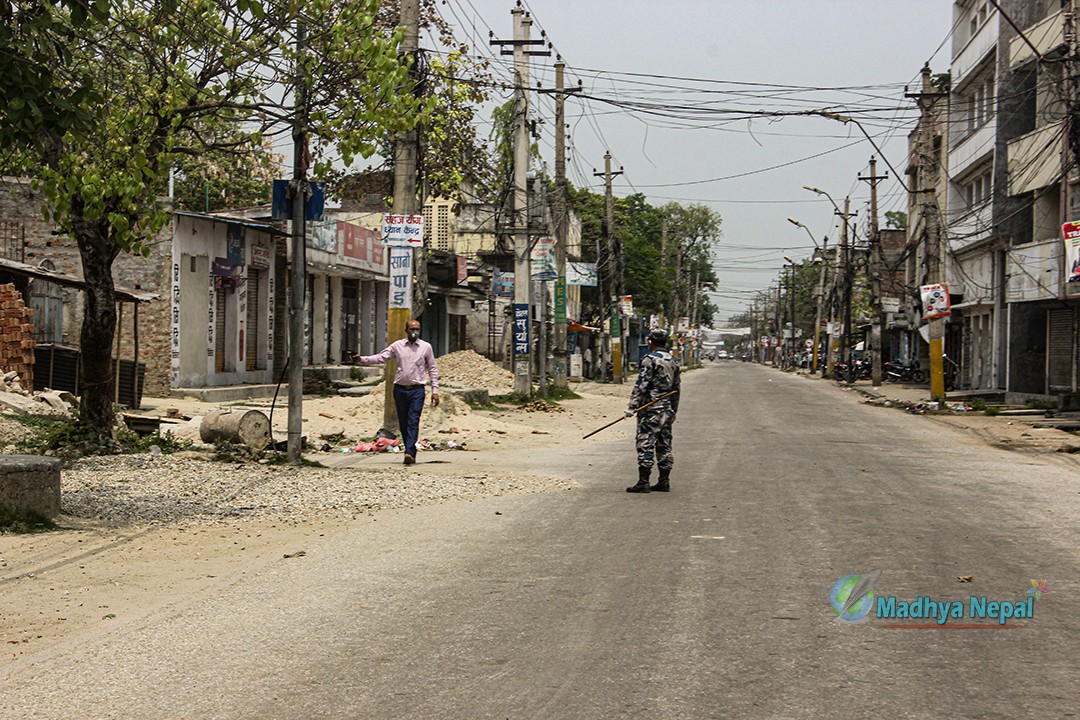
x: 1043, y: 355
x: 975, y: 249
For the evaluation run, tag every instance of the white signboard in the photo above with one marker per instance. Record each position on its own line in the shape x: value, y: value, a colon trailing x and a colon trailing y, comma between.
x: 400, y: 277
x: 403, y: 230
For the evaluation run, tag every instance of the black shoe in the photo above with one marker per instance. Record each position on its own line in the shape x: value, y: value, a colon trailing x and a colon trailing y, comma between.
x: 642, y: 483
x: 662, y: 483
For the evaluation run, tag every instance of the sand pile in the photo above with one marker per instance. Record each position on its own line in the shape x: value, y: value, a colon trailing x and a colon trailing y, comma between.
x: 468, y: 369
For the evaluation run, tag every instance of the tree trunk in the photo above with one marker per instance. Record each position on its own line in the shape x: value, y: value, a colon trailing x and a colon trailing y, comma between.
x: 251, y: 428
x: 98, y: 249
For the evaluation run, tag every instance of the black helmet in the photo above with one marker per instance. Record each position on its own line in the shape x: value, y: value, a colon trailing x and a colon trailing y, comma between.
x: 658, y: 337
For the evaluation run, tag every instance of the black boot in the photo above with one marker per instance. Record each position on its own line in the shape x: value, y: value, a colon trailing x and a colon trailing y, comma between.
x: 643, y: 481
x: 662, y: 484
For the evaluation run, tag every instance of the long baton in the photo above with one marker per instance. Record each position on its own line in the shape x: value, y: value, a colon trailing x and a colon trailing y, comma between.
x: 623, y: 417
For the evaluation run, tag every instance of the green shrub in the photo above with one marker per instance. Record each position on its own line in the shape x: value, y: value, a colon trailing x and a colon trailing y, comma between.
x: 977, y: 404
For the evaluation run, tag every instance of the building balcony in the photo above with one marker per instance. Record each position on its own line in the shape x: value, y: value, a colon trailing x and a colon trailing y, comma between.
x: 975, y: 50
x: 1034, y: 159
x: 970, y: 228
x: 1034, y: 271
x: 973, y: 149
x: 1046, y: 36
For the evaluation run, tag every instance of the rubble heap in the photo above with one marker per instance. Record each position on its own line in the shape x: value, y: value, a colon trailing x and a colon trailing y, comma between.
x: 468, y: 369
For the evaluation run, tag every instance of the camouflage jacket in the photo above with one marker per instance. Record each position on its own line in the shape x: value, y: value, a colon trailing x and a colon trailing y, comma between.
x: 657, y: 376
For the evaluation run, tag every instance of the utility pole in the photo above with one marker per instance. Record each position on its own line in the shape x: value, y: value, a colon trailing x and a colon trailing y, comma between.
x: 663, y: 266
x: 875, y: 270
x: 822, y: 276
x: 934, y: 237
x: 298, y: 269
x: 791, y: 296
x: 778, y: 325
x: 398, y: 314
x: 614, y: 281
x: 561, y: 225
x: 522, y: 244
x: 846, y: 248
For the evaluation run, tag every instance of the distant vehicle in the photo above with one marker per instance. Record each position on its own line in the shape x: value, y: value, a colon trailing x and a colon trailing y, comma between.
x: 724, y: 355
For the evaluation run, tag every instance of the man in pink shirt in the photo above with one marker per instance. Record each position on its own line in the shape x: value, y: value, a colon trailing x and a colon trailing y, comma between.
x: 415, y: 363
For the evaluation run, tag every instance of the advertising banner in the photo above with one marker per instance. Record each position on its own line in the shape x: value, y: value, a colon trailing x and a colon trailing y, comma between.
x: 583, y: 274
x: 543, y: 259
x: 502, y: 283
x: 935, y: 301
x: 361, y: 248
x: 626, y: 304
x: 1070, y: 231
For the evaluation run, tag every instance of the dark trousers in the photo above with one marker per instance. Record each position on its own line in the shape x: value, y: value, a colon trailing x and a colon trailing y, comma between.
x: 409, y: 403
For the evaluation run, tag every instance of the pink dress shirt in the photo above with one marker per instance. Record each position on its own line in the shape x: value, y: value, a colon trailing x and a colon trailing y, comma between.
x: 415, y: 362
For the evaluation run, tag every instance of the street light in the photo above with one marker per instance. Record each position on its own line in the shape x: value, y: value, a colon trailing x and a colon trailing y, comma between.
x: 791, y: 299
x: 821, y: 258
x: 843, y: 261
x: 793, y: 221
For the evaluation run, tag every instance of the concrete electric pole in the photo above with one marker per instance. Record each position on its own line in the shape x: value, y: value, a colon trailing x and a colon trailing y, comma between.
x: 875, y: 270
x: 562, y: 224
x: 614, y: 287
x: 298, y: 268
x: 521, y: 235
x: 405, y: 202
x: 934, y: 238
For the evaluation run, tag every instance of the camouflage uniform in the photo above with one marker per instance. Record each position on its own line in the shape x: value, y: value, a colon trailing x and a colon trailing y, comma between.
x: 658, y: 375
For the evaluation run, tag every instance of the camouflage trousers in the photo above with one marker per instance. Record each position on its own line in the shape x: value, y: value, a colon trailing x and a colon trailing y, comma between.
x: 654, y: 439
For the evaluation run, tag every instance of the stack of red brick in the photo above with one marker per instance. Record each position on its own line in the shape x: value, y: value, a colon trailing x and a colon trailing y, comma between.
x: 16, y: 336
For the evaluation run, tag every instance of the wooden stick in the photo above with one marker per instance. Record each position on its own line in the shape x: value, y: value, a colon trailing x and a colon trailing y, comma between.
x: 623, y: 417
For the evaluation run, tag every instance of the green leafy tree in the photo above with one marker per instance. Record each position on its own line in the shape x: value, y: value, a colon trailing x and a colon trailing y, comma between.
x: 220, y: 165
x: 36, y: 36
x: 896, y: 219
x: 163, y: 69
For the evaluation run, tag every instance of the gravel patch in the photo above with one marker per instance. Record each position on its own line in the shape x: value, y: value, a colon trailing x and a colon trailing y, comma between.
x: 161, y: 489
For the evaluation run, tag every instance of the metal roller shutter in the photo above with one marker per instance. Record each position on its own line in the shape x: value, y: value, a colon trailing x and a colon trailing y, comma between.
x: 251, y: 337
x: 219, y: 330
x: 1059, y: 351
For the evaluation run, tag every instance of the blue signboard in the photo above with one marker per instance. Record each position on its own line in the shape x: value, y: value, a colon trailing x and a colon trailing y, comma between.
x: 521, y: 331
x: 281, y: 203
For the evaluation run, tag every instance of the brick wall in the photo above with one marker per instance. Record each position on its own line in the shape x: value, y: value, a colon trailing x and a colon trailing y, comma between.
x: 16, y: 336
x: 19, y: 203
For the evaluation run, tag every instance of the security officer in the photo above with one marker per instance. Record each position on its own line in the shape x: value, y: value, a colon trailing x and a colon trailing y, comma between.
x: 657, y: 376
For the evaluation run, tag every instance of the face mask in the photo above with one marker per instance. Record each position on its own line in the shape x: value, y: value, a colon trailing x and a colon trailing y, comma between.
x: 414, y: 335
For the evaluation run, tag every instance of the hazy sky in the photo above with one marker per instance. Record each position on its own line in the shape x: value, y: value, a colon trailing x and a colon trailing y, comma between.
x: 760, y: 56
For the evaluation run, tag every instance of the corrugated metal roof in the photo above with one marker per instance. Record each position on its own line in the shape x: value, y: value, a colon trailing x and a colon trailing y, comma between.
x: 32, y: 271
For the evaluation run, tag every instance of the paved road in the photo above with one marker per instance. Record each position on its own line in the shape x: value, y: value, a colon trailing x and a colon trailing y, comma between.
x: 590, y: 603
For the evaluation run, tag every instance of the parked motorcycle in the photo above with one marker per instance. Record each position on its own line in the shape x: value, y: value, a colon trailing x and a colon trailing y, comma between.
x: 904, y: 372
